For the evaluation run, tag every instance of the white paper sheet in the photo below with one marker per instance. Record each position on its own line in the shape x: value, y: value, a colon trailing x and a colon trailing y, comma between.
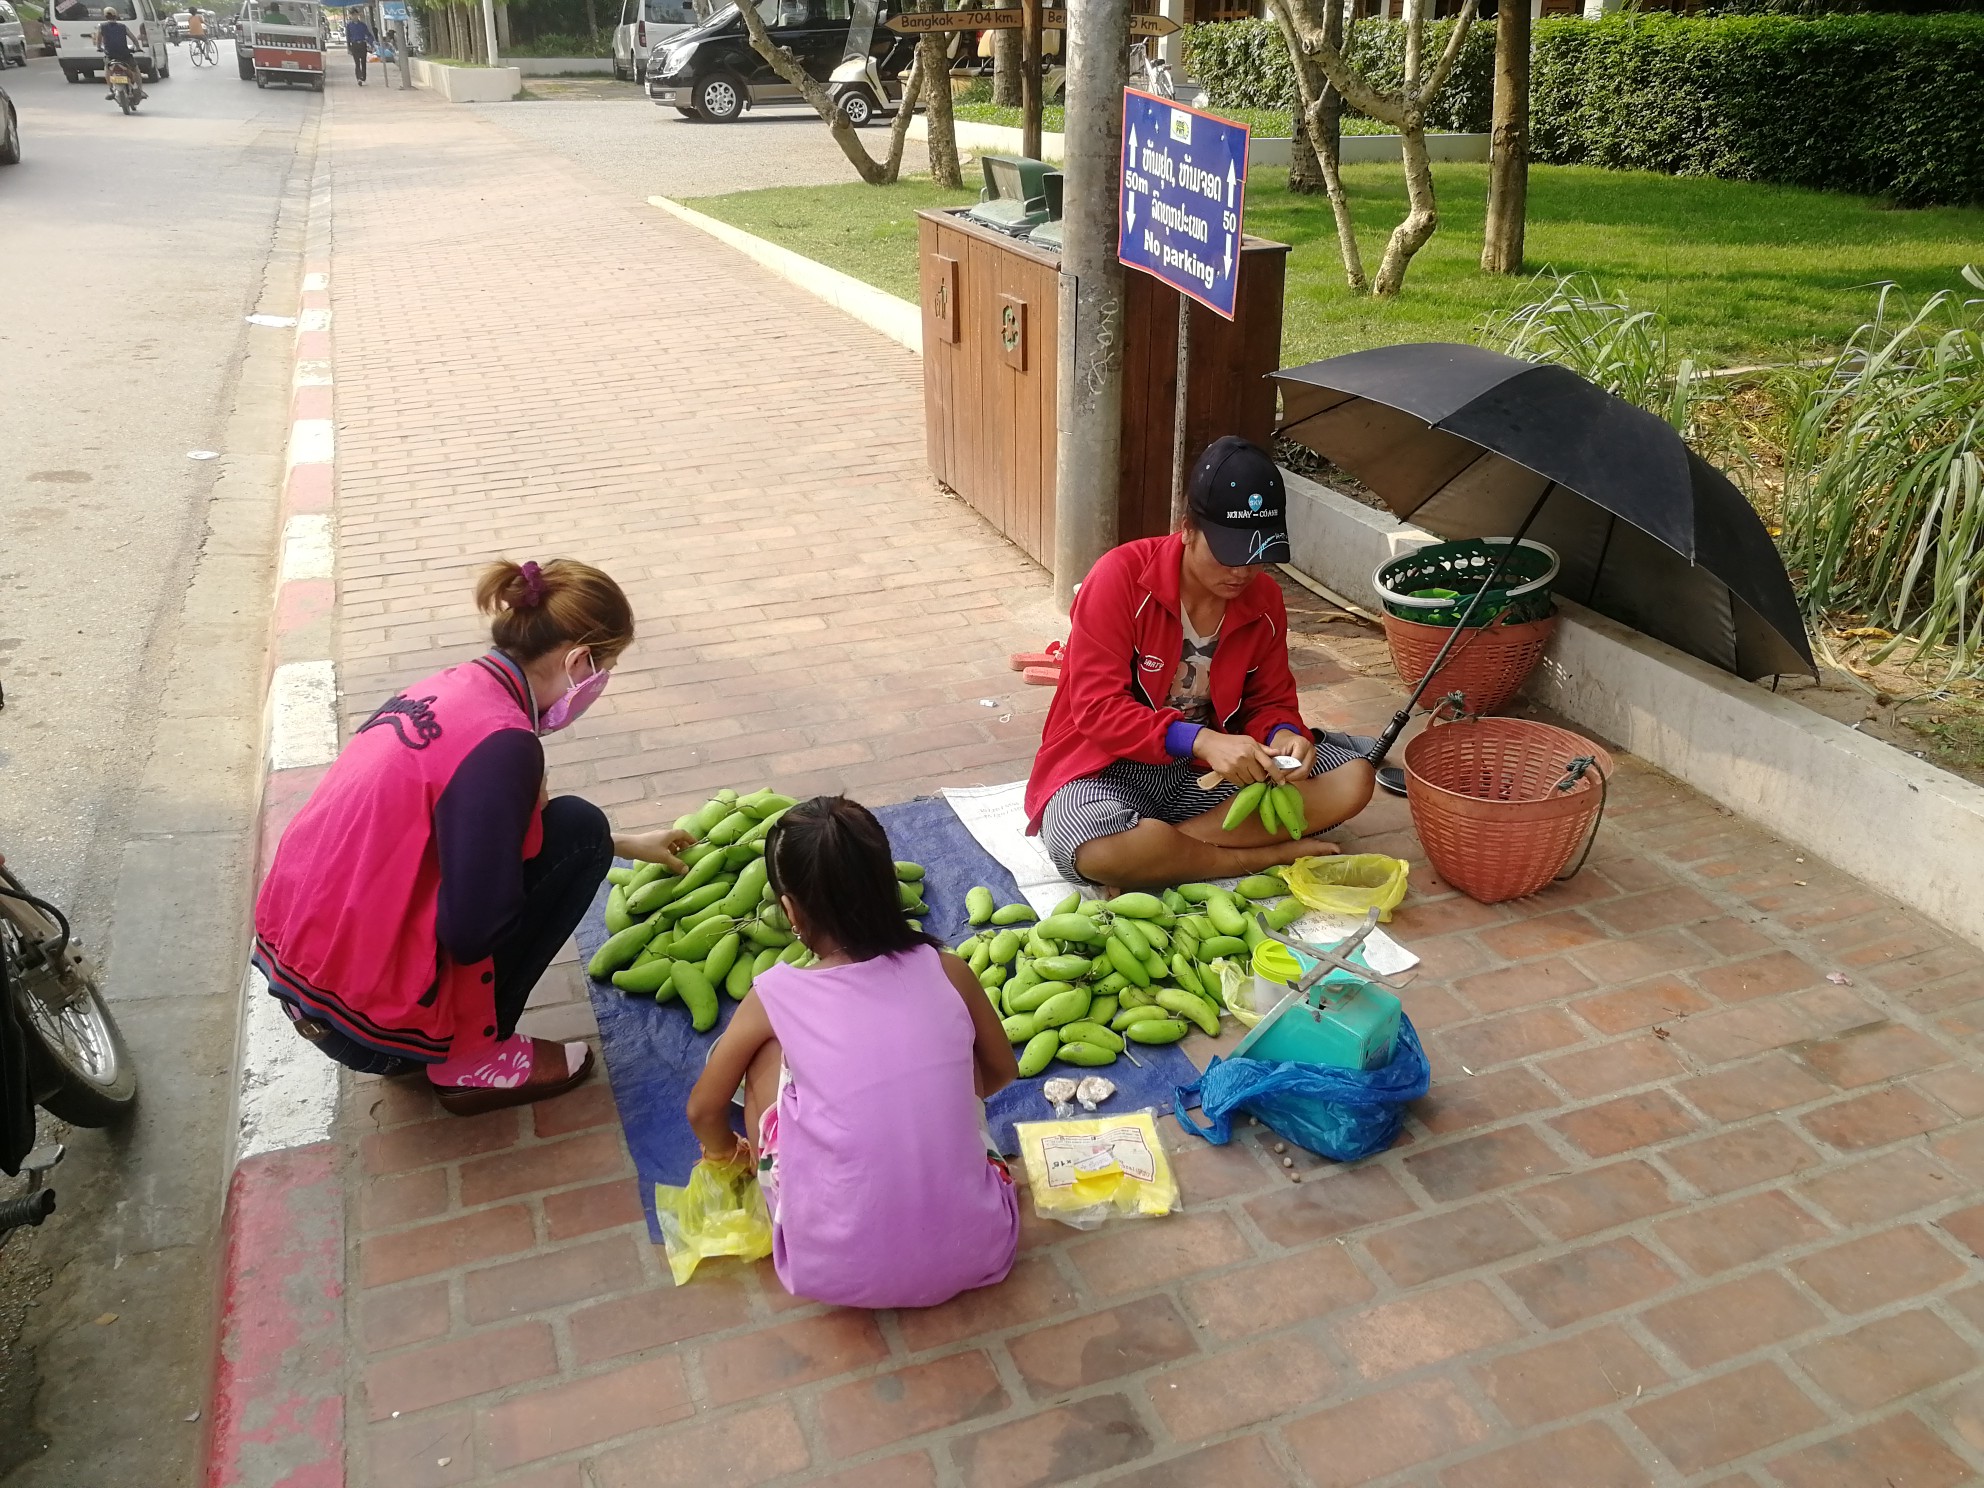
x: 996, y: 816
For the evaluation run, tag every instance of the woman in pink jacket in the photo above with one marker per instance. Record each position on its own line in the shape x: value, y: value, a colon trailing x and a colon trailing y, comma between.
x: 427, y: 884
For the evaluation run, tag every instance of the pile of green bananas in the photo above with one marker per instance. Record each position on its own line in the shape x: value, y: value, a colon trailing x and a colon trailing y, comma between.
x: 1099, y: 972
x: 717, y: 924
x: 1280, y: 807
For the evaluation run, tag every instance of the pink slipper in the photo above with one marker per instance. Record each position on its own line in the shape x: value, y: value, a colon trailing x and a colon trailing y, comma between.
x: 1043, y: 676
x: 1021, y: 661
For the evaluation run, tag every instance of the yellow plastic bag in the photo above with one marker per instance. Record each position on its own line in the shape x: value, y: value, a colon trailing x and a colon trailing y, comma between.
x: 719, y: 1212
x: 1087, y: 1170
x: 1352, y: 884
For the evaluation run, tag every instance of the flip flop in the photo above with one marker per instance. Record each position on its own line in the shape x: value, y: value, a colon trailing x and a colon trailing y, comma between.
x: 1043, y: 676
x: 550, y: 1074
x: 1392, y: 778
x: 1021, y: 661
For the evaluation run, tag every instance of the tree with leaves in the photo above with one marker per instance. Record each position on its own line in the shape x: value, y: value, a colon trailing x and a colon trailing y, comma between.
x: 1305, y: 24
x: 929, y: 75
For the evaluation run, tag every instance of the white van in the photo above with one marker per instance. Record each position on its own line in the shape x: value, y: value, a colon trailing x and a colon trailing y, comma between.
x: 75, y: 23
x: 644, y: 24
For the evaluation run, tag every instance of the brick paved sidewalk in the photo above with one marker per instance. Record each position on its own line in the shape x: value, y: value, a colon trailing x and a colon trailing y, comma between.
x: 1679, y: 1209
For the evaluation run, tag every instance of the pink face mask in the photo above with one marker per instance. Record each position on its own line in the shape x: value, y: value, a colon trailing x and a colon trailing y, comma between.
x: 566, y: 708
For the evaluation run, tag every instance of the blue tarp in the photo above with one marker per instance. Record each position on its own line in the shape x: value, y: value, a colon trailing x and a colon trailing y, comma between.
x: 653, y: 1057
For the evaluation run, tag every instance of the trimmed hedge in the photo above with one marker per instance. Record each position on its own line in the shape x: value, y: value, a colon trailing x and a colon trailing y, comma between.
x: 1839, y: 7
x: 1877, y: 105
x: 1245, y: 64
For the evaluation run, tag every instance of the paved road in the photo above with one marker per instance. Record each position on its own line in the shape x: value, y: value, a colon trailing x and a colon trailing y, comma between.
x: 132, y: 578
x: 621, y: 138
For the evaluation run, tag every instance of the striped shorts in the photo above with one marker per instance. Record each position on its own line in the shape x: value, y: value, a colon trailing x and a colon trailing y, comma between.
x: 1117, y: 797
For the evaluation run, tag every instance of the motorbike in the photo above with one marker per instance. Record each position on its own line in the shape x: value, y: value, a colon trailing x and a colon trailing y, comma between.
x: 59, y: 1046
x: 126, y: 84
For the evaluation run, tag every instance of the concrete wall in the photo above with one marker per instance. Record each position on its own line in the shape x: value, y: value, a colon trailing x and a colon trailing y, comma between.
x: 1876, y: 811
x: 998, y: 139
x: 560, y: 66
x: 467, y: 84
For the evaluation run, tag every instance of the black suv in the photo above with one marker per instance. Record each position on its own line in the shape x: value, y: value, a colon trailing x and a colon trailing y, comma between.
x: 712, y: 73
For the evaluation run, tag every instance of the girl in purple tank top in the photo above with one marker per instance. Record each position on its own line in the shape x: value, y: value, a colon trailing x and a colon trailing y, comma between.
x: 865, y: 1078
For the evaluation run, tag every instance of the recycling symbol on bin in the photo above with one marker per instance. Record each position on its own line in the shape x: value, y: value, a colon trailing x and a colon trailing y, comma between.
x: 1009, y: 328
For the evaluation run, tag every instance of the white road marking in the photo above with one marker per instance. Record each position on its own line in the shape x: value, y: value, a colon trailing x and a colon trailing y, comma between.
x: 313, y: 320
x: 306, y: 548
x: 289, y: 1092
x: 303, y: 715
x: 312, y: 442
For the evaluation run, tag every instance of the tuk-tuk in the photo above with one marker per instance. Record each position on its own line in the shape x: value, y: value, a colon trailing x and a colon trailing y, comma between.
x: 286, y: 42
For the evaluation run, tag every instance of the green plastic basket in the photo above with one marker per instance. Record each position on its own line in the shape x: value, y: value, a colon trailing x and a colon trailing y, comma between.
x: 1434, y: 585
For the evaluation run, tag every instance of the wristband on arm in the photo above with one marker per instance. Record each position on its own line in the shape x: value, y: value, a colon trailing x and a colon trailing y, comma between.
x: 1181, y: 738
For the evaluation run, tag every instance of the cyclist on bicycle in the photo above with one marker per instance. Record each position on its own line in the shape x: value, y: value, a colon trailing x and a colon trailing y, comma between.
x: 199, y: 43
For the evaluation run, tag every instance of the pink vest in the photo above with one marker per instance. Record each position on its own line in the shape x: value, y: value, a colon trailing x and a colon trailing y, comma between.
x: 344, y: 925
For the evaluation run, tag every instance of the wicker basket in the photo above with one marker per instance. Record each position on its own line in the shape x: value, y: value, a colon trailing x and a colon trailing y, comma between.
x: 1408, y: 585
x: 1487, y: 666
x: 1484, y: 798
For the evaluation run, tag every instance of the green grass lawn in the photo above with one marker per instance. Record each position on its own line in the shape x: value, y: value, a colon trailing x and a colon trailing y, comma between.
x: 1742, y: 273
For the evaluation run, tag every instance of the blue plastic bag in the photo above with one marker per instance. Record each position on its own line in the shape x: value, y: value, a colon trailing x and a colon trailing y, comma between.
x: 1337, y: 1113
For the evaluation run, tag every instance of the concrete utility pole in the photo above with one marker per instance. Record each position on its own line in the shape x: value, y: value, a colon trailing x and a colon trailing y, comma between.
x: 489, y: 30
x: 1088, y: 465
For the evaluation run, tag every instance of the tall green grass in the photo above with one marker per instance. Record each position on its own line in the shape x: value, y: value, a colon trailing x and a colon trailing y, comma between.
x: 1883, y: 493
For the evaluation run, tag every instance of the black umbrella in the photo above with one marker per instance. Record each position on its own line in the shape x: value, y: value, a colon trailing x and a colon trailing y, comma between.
x: 1467, y: 442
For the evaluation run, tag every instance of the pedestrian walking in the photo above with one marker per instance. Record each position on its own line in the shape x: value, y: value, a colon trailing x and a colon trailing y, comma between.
x: 358, y: 39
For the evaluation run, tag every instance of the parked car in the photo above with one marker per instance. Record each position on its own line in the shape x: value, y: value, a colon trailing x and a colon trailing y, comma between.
x: 75, y: 41
x: 13, y: 37
x: 712, y: 72
x: 644, y: 25
x: 10, y: 131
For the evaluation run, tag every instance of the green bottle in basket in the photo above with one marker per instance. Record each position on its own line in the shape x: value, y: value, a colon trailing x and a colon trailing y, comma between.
x: 1344, y: 1023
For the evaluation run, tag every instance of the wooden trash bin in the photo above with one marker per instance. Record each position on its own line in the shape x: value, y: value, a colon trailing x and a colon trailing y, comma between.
x: 991, y: 359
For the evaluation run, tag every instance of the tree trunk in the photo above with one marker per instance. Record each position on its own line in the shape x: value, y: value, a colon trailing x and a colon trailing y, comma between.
x: 1319, y: 106
x: 592, y: 23
x: 1305, y: 171
x: 912, y: 87
x: 940, y: 125
x: 782, y: 62
x: 1508, y: 160
x: 1007, y: 51
x: 1422, y: 216
x: 502, y: 25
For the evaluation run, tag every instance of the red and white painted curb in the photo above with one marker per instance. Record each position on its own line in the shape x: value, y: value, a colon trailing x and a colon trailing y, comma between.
x: 278, y: 1403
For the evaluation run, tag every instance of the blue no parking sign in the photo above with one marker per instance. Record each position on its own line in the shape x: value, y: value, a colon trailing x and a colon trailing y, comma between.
x: 1183, y: 197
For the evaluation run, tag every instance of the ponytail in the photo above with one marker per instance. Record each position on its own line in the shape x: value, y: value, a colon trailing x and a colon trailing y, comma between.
x: 833, y: 858
x: 538, y: 608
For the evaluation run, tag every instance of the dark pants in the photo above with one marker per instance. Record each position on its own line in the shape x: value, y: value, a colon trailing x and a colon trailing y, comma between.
x: 559, y: 884
x: 358, y: 61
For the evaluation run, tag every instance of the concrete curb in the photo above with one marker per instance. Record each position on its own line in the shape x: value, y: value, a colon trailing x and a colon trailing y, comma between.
x: 900, y: 320
x: 277, y: 1414
x: 1875, y: 811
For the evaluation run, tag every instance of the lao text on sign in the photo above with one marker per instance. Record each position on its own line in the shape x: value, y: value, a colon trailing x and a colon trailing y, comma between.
x: 1183, y: 197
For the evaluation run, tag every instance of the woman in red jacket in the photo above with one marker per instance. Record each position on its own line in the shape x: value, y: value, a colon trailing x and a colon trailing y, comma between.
x: 1176, y: 664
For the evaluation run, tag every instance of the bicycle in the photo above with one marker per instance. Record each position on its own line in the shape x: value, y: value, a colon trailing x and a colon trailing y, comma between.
x: 204, y: 52
x: 1156, y: 71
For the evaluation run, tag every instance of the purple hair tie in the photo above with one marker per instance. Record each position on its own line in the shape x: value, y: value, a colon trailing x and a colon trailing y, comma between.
x: 533, y: 585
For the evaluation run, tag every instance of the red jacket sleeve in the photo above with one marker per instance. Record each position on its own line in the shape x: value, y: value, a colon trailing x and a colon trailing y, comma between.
x: 1270, y: 699
x: 1096, y: 675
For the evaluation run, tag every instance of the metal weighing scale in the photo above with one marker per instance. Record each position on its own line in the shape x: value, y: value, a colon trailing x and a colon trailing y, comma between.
x: 1339, y: 1013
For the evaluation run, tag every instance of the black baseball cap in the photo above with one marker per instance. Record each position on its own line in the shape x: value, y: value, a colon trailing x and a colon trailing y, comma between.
x: 1239, y: 503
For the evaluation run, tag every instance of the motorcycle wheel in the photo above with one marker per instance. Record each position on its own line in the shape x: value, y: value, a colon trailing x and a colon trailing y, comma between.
x: 78, y: 1050
x: 130, y: 106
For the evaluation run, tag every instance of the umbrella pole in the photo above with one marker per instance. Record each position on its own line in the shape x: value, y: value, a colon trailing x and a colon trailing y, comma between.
x: 1404, y: 715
